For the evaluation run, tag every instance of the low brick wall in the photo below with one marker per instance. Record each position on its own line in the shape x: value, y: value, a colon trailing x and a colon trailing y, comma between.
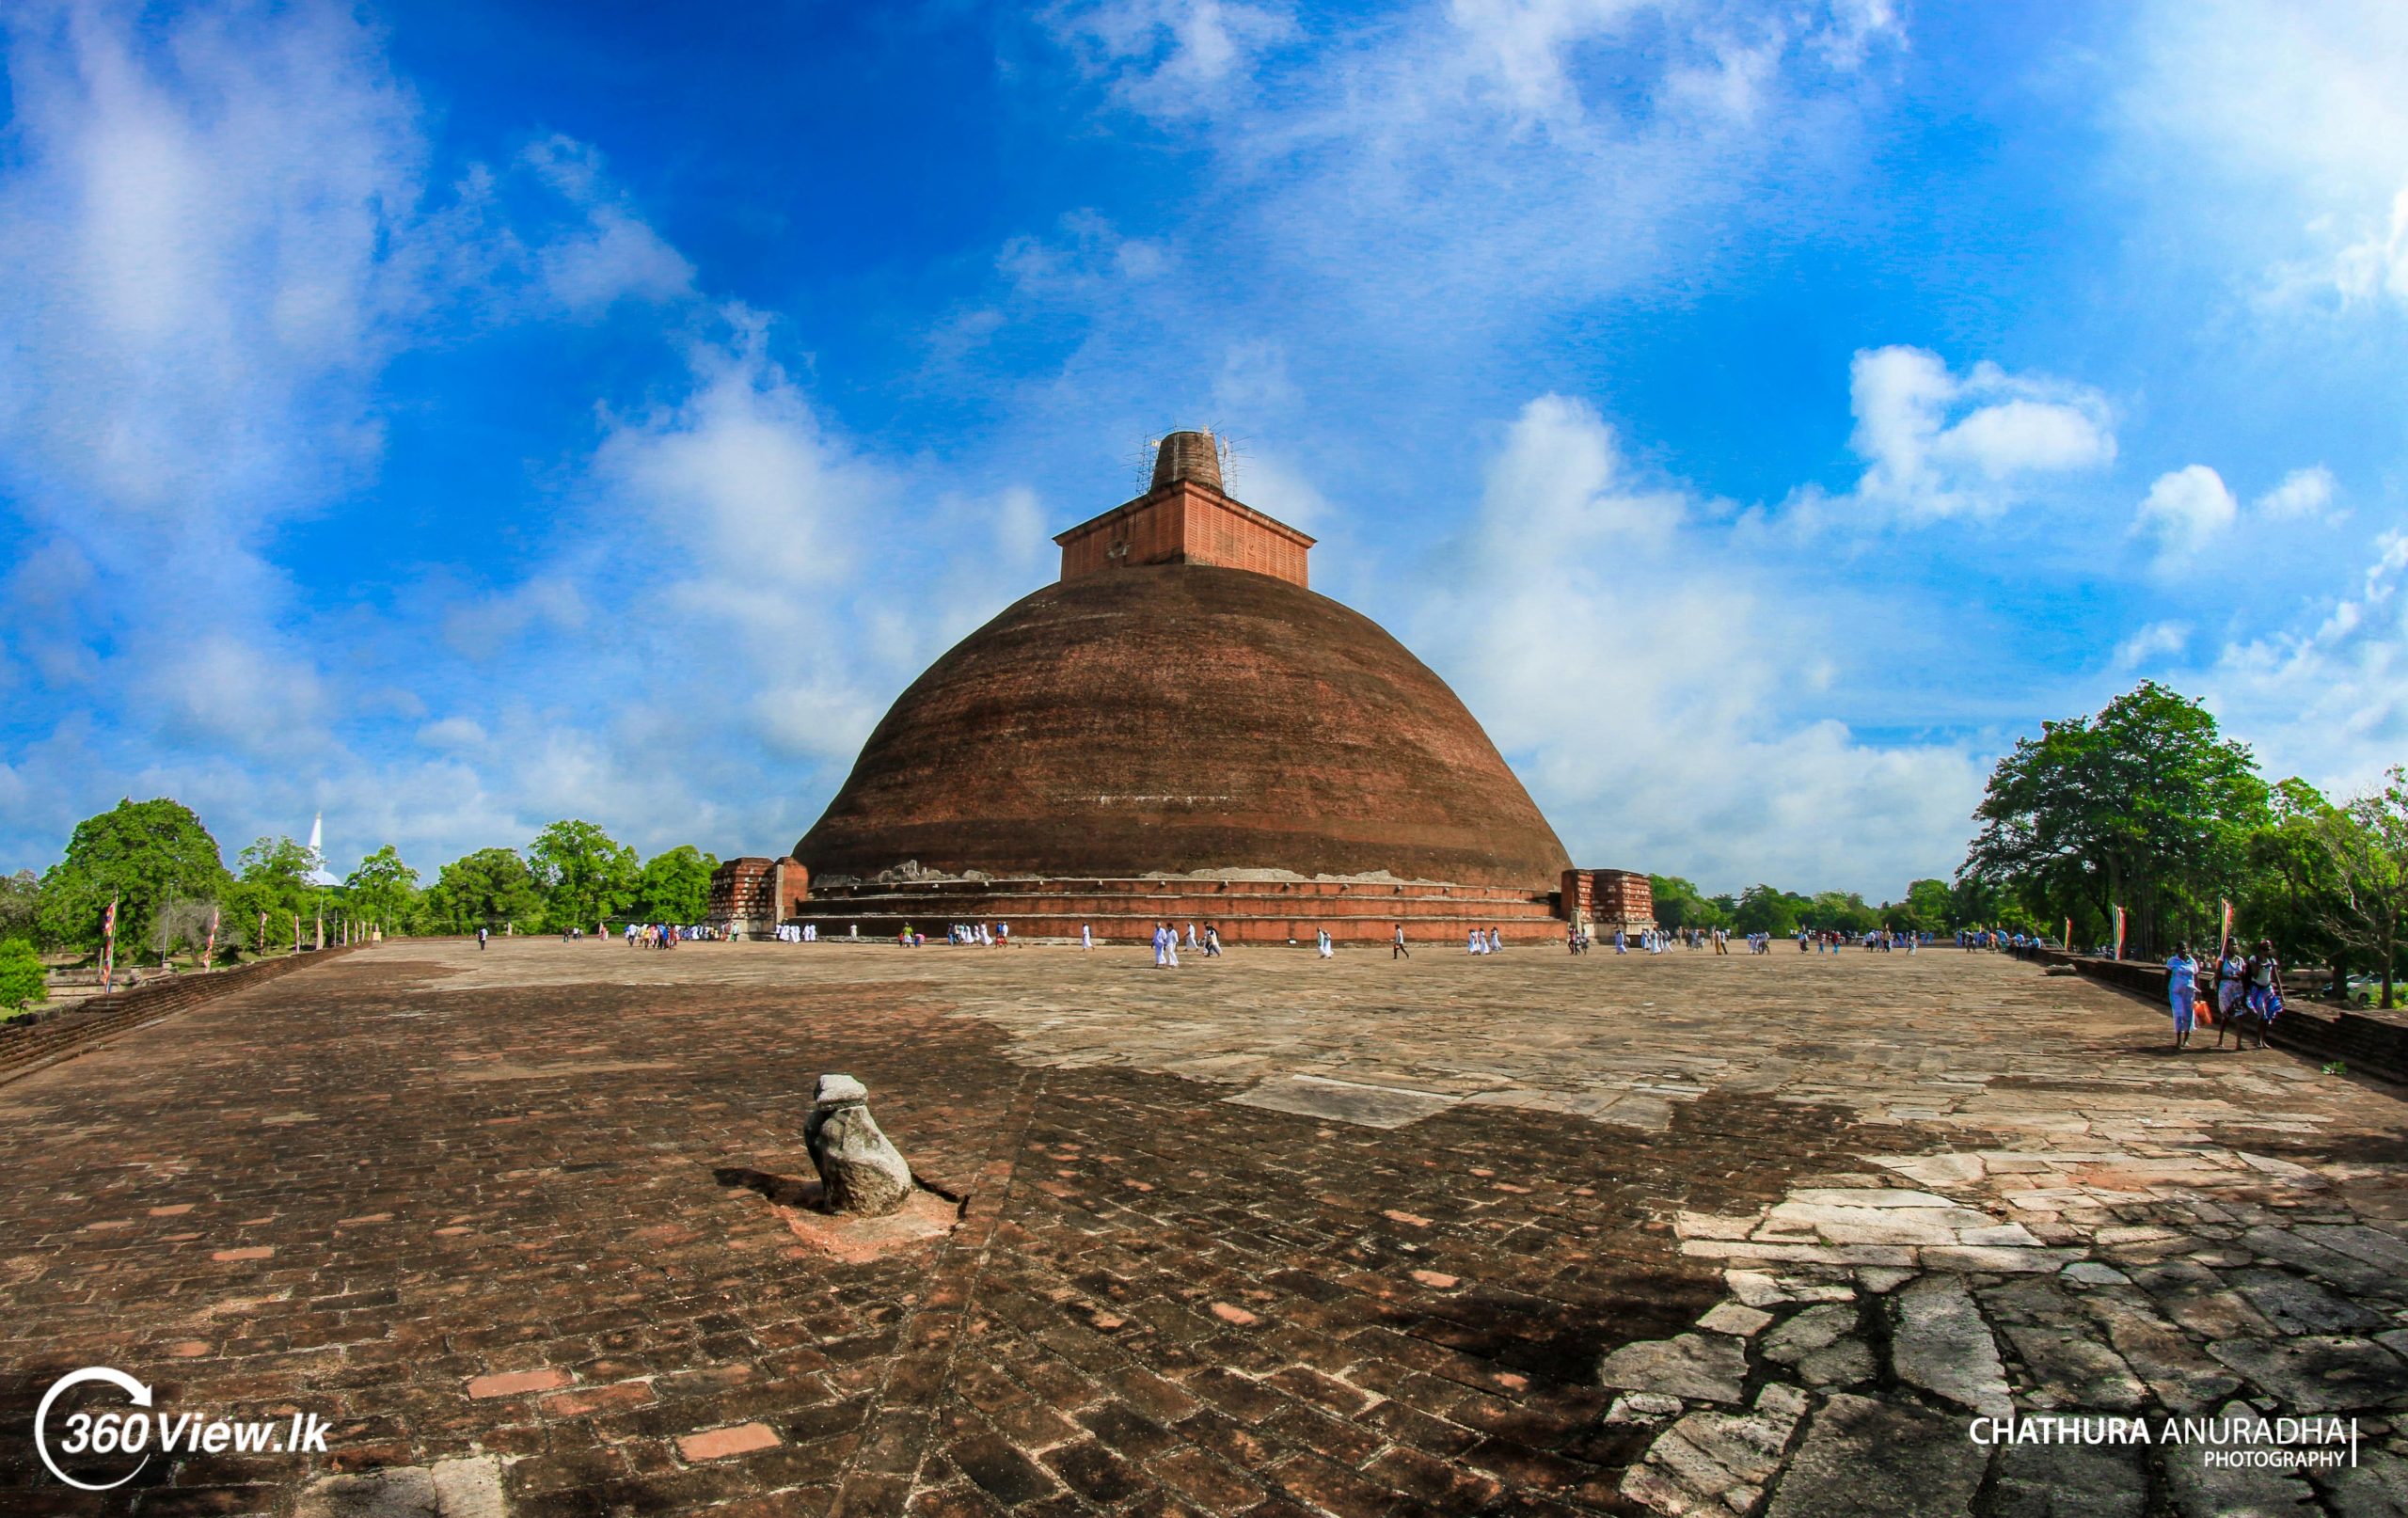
x: 2365, y: 1045
x: 25, y: 1047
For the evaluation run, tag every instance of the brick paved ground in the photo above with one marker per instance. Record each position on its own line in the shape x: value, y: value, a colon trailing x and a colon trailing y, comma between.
x: 1674, y: 1234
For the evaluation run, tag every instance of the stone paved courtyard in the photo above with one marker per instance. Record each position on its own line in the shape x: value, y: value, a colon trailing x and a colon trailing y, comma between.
x: 1264, y: 1235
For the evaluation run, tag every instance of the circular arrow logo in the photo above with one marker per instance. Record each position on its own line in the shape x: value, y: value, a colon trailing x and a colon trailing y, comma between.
x: 119, y: 1379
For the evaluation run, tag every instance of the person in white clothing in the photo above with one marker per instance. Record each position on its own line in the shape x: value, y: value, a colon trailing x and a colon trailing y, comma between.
x: 1323, y: 942
x: 1087, y: 936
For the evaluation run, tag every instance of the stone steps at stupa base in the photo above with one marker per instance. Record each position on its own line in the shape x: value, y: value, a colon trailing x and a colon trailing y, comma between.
x: 1245, y: 911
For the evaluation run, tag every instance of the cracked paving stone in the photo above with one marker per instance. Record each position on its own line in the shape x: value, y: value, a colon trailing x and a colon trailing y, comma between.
x: 2067, y: 1367
x: 2070, y: 1481
x: 1938, y: 1342
x: 2319, y: 1374
x: 1863, y: 1457
x: 1713, y: 1462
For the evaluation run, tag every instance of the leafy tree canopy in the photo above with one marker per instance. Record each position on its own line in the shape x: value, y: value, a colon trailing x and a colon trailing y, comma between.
x: 676, y: 885
x: 490, y: 888
x: 21, y: 980
x: 2144, y: 806
x: 20, y: 901
x: 144, y: 854
x: 584, y: 874
x: 382, y: 888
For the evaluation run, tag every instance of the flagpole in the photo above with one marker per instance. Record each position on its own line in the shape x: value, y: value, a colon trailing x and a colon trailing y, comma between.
x: 209, y: 952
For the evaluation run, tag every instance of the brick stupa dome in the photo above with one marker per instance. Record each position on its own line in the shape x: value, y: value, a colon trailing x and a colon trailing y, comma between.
x: 1181, y: 702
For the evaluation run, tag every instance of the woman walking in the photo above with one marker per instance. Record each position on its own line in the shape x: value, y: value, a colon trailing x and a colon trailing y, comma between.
x: 2181, y: 989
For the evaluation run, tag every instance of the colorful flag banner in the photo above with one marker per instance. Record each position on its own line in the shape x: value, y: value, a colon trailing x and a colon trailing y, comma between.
x: 209, y: 955
x: 2068, y: 939
x: 2119, y: 932
x: 108, y: 946
x: 2225, y: 944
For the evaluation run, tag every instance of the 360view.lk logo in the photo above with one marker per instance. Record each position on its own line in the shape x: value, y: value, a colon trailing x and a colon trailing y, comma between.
x: 117, y: 1442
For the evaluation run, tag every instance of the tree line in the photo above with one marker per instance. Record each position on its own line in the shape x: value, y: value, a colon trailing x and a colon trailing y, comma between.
x: 168, y: 877
x: 1928, y: 907
x: 2148, y: 807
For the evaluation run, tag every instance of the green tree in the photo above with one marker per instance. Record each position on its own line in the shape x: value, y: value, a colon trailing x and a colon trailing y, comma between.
x: 584, y: 874
x: 142, y: 853
x: 2292, y: 890
x: 21, y: 978
x: 676, y: 885
x: 20, y: 903
x: 1762, y: 908
x: 381, y: 888
x: 1843, y: 910
x: 491, y: 888
x: 1926, y: 909
x: 2144, y: 806
x: 273, y: 876
x: 2366, y: 842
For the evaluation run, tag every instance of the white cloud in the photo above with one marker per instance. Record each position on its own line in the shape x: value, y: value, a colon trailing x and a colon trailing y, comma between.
x: 2185, y: 511
x: 2303, y: 495
x: 2329, y: 702
x: 2287, y: 135
x: 1937, y: 446
x: 608, y: 252
x: 488, y: 627
x: 1612, y: 631
x: 1170, y: 58
x: 2157, y: 638
x: 740, y: 478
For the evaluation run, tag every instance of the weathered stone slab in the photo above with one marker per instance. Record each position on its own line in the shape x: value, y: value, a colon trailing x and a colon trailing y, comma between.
x: 2067, y: 1367
x: 1809, y: 1330
x: 1939, y: 1343
x: 2319, y: 1374
x: 2297, y: 1307
x: 2185, y: 1380
x: 2369, y: 1245
x: 1707, y: 1368
x: 1999, y: 1261
x: 2376, y: 1487
x: 2349, y: 1275
x: 1862, y: 1457
x: 2070, y: 1482
x: 1344, y: 1101
x: 1732, y: 1318
x: 1715, y: 1462
x: 1831, y: 1224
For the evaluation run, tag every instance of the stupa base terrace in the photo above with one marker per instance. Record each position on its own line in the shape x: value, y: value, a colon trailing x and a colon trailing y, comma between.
x: 1244, y: 910
x: 1246, y: 906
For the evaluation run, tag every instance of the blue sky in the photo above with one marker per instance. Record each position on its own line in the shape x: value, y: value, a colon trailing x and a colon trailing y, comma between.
x: 454, y: 416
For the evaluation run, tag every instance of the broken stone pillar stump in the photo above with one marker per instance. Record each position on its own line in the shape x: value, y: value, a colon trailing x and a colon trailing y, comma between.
x: 859, y: 1167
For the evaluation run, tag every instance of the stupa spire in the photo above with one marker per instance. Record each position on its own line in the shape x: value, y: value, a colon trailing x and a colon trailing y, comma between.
x: 1193, y: 456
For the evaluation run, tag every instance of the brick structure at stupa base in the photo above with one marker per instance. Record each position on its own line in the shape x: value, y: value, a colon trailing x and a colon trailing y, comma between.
x: 1244, y: 910
x: 1180, y: 729
x: 751, y: 896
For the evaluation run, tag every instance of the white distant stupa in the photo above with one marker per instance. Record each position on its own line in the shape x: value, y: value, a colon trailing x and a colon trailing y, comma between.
x: 318, y: 873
